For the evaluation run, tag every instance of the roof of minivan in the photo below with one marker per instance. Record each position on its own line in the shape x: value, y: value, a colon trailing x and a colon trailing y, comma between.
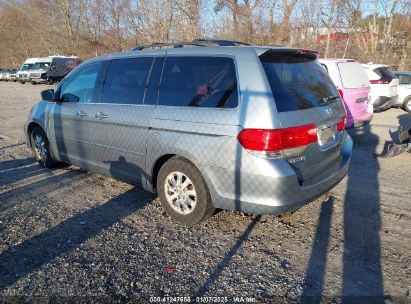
x: 206, y: 50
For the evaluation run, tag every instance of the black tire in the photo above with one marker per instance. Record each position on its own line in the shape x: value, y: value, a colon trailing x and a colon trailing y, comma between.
x: 33, y: 83
x: 23, y: 82
x: 50, y: 81
x: 406, y: 106
x: 203, y: 208
x: 44, y: 159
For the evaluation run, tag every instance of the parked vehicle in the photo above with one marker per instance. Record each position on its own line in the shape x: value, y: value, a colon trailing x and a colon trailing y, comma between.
x: 23, y: 74
x: 404, y: 90
x: 1, y: 73
x: 254, y: 129
x: 9, y: 74
x: 13, y: 75
x: 51, y: 69
x: 354, y: 88
x: 383, y: 86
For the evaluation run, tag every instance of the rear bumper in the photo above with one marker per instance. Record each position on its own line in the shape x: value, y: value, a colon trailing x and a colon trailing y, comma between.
x: 263, y: 186
x: 358, y: 121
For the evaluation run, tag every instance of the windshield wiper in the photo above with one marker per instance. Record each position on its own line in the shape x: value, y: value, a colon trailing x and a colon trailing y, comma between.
x: 329, y: 99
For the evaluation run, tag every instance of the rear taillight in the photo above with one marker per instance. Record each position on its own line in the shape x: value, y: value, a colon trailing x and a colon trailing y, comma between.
x: 272, y: 142
x: 342, y: 124
x: 340, y: 92
x: 381, y: 81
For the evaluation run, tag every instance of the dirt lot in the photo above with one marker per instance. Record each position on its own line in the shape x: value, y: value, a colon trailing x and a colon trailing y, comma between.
x: 71, y: 233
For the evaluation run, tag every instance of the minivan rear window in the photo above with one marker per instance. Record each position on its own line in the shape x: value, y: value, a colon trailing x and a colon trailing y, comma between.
x: 353, y: 75
x: 297, y: 82
x: 208, y: 82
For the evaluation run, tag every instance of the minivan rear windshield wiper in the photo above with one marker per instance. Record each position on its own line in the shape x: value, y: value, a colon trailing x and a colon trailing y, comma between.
x: 329, y: 99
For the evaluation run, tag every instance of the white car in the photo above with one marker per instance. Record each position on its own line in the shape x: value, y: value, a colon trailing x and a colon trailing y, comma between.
x: 384, y: 86
x: 404, y: 90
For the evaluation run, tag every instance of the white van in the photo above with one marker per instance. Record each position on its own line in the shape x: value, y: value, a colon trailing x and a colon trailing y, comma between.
x: 23, y: 74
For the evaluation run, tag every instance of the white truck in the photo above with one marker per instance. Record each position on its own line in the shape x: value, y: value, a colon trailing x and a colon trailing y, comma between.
x: 23, y: 74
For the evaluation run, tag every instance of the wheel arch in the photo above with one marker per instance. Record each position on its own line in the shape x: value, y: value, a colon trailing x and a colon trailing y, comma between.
x: 31, y: 126
x: 161, y: 161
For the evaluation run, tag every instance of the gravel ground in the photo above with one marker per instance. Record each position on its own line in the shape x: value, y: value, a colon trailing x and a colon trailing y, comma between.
x: 74, y: 234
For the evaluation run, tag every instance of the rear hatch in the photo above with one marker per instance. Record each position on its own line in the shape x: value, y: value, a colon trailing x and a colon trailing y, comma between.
x: 356, y: 87
x: 306, y: 101
x: 387, y: 79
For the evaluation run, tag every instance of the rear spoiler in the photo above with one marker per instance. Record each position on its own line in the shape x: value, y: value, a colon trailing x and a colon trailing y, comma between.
x: 299, y: 53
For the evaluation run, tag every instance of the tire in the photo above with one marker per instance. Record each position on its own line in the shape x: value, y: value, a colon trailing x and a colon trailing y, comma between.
x: 407, y: 105
x: 196, y: 192
x: 33, y: 83
x: 50, y: 81
x: 23, y: 82
x: 38, y: 142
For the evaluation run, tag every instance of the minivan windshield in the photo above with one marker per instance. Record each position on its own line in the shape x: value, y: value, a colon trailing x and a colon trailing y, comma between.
x: 26, y: 66
x: 298, y: 82
x: 353, y: 75
x: 41, y: 66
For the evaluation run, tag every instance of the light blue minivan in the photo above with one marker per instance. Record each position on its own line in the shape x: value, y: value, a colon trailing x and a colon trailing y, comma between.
x: 205, y: 124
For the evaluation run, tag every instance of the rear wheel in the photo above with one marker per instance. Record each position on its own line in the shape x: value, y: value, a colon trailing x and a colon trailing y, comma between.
x: 183, y: 192
x: 41, y: 148
x: 407, y: 104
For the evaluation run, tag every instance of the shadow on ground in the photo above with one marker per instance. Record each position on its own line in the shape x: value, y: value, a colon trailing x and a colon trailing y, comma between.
x: 26, y: 257
x: 362, y: 280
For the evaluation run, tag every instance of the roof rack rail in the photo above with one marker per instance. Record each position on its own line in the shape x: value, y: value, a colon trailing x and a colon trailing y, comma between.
x: 221, y: 42
x: 166, y: 44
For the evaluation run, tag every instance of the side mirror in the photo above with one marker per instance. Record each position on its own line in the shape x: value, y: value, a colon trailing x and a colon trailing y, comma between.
x: 47, y: 95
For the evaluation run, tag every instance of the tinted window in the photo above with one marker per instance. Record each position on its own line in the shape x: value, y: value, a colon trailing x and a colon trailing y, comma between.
x: 80, y: 86
x: 199, y: 82
x: 384, y: 73
x: 297, y: 82
x: 126, y: 80
x: 353, y: 75
x: 404, y: 78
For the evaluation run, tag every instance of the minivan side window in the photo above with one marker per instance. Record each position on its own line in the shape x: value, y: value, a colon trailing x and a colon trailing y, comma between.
x: 404, y: 78
x: 126, y: 80
x: 80, y: 86
x: 199, y: 82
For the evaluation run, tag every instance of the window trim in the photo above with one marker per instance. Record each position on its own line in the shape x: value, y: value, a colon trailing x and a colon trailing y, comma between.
x: 74, y: 71
x: 202, y: 108
x: 106, y: 67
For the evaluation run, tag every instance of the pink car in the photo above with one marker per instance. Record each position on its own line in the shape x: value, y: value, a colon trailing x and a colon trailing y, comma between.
x: 354, y: 88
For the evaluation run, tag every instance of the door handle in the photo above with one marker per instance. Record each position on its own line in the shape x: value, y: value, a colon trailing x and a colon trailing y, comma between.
x: 101, y: 115
x: 81, y: 114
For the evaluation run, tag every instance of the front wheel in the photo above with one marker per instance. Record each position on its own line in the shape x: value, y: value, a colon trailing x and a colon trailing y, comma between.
x: 407, y: 104
x: 183, y: 192
x: 41, y: 148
